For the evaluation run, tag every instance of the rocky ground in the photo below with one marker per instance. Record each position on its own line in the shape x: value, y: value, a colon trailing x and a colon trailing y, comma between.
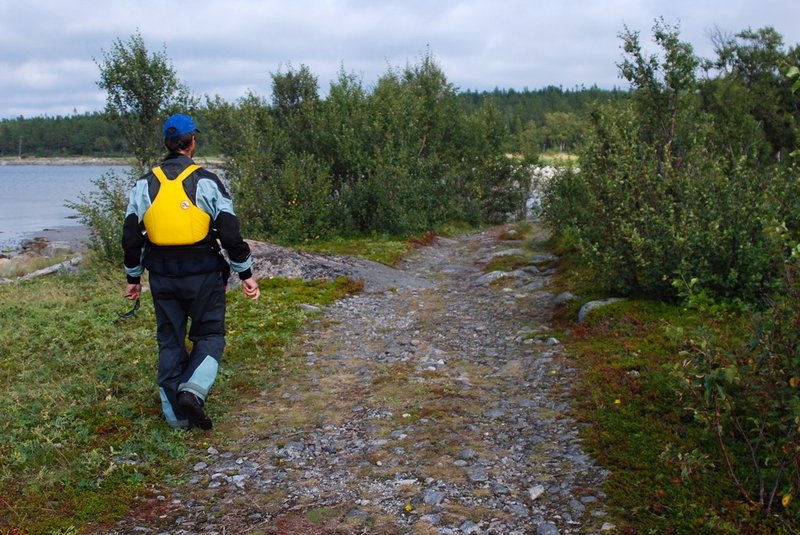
x: 438, y: 403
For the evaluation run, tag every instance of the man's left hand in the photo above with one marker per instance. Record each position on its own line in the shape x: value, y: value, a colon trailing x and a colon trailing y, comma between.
x: 250, y: 289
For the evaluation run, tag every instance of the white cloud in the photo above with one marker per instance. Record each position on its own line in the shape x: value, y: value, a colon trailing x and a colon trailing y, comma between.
x: 228, y: 48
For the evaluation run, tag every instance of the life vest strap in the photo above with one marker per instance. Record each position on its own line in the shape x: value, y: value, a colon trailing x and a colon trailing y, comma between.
x: 180, y: 178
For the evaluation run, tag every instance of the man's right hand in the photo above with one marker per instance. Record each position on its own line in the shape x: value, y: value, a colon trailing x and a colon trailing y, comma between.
x: 133, y: 291
x: 250, y: 289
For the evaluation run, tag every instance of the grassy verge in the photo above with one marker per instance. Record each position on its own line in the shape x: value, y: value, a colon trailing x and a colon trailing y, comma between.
x: 384, y: 250
x: 667, y: 475
x: 80, y: 426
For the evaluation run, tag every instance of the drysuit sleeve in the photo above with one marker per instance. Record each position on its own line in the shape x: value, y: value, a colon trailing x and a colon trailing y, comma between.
x: 133, y: 238
x: 214, y: 200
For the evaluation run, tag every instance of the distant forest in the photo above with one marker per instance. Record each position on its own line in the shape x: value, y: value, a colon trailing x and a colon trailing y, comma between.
x: 547, y: 118
x: 520, y: 108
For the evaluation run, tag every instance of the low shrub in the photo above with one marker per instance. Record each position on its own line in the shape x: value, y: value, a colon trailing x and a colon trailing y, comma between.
x: 102, y: 211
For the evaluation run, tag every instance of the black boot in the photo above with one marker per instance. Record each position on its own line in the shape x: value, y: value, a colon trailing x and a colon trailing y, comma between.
x: 193, y: 407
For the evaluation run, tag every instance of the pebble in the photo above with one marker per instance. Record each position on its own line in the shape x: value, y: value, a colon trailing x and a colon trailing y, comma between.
x: 499, y: 489
x: 535, y: 492
x: 547, y: 528
x: 433, y: 497
x: 477, y: 475
x: 469, y: 527
x: 519, y: 509
x: 431, y: 519
x: 467, y: 454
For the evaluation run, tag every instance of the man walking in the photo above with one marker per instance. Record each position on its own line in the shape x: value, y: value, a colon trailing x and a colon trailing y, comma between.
x: 178, y: 215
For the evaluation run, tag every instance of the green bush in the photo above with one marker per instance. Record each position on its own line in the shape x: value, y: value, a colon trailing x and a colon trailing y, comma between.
x: 399, y: 160
x: 748, y: 397
x: 297, y: 201
x: 662, y: 206
x: 249, y: 137
x: 102, y: 211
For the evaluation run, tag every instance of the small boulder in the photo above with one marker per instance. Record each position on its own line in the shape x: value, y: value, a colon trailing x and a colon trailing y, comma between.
x: 593, y: 305
x: 564, y: 297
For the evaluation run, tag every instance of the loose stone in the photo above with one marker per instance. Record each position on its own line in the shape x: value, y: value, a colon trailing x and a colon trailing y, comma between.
x: 535, y: 492
x: 469, y: 528
x: 433, y: 497
x: 547, y: 528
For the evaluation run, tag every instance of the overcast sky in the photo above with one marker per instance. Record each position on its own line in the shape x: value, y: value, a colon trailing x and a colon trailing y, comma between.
x: 230, y: 47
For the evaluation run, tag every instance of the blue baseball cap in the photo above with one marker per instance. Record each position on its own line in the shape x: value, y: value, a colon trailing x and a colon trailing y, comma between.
x: 178, y: 125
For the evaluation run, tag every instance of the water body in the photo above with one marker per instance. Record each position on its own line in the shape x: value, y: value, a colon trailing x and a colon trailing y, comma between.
x: 32, y: 197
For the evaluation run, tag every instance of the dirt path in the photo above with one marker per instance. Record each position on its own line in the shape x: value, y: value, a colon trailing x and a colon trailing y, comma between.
x: 433, y: 408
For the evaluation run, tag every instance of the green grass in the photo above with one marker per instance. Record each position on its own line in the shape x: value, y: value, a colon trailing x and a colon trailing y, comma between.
x: 383, y: 249
x: 387, y: 251
x: 558, y: 159
x: 81, y: 430
x: 631, y: 402
x: 508, y: 262
x: 19, y: 265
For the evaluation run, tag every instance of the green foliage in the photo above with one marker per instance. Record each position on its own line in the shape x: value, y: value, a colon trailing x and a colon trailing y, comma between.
x: 748, y: 394
x: 751, y: 59
x: 295, y: 98
x: 506, y: 263
x: 712, y: 401
x: 503, y: 188
x: 298, y: 206
x: 748, y: 397
x: 397, y: 161
x: 141, y: 90
x: 345, y: 131
x: 664, y: 204
x: 384, y: 250
x: 564, y: 128
x: 524, y: 114
x: 666, y: 471
x: 102, y: 211
x: 252, y: 142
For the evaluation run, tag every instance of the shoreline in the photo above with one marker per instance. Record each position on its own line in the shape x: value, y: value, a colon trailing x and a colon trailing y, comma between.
x: 76, y: 237
x: 66, y: 160
x: 212, y: 161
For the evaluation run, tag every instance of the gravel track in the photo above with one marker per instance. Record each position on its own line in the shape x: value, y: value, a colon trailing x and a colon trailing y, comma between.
x: 440, y: 406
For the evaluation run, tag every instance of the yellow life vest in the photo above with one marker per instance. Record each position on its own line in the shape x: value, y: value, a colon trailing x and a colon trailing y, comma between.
x: 173, y: 219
